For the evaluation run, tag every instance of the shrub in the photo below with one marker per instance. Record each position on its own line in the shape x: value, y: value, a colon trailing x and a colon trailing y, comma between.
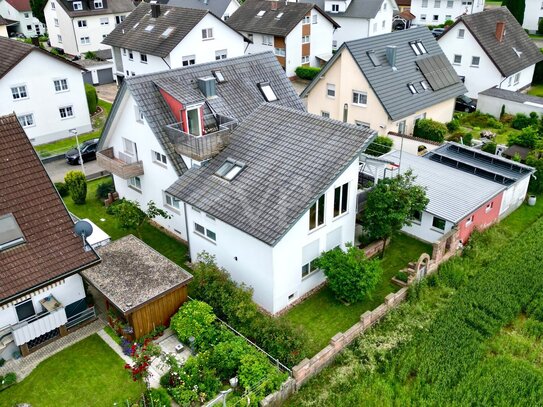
x: 521, y: 120
x: 479, y: 120
x: 448, y: 23
x: 77, y: 186
x: 351, y: 276
x: 9, y: 379
x: 453, y: 274
x: 490, y: 147
x: 157, y: 398
x: 506, y: 118
x: 528, y: 137
x: 402, y: 276
x: 381, y: 145
x: 307, y: 72
x: 429, y: 129
x: 453, y: 125
x: 90, y: 55
x: 2, y: 361
x: 258, y: 376
x: 92, y: 98
x: 226, y: 356
x: 461, y: 137
x: 62, y: 189
x: 104, y: 188
x: 195, y: 319
x: 536, y: 183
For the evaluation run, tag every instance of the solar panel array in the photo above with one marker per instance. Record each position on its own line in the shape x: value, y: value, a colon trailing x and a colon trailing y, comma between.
x: 437, y: 71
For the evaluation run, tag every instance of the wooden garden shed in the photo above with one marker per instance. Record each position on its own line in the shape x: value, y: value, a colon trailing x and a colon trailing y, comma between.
x: 142, y: 285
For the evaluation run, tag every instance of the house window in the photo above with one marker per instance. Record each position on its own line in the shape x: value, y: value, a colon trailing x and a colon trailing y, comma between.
x: 26, y: 120
x: 457, y: 59
x: 418, y: 47
x: 59, y: 38
x: 374, y: 27
x: 25, y: 310
x: 218, y: 76
x: 149, y: 28
x: 438, y: 223
x: 133, y: 73
x: 306, y: 20
x: 19, y: 92
x: 360, y: 98
x: 423, y: 17
x: 341, y: 195
x: 310, y: 253
x: 384, y: 6
x: 335, y: 8
x: 316, y: 213
x: 402, y: 127
x: 119, y: 19
x: 489, y: 207
x: 143, y: 58
x: 331, y: 90
x: 130, y: 55
x: 230, y: 169
x: 188, y: 60
x: 437, y: 3
x: 139, y: 114
x: 85, y: 40
x: 56, y: 22
x: 104, y: 21
x: 82, y: 23
x: 424, y: 4
x: 61, y: 85
x: 314, y: 18
x: 435, y: 17
x: 334, y: 44
x: 417, y: 217
x: 267, y: 91
x: 475, y: 61
x: 171, y: 201
x: 52, y: 6
x: 129, y: 147
x: 261, y: 13
x: 383, y: 24
x: 461, y: 33
x: 325, y: 114
x: 267, y: 40
x: 159, y: 157
x: 221, y: 54
x: 305, y: 39
x: 77, y: 5
x: 98, y: 4
x: 412, y: 88
x: 29, y: 27
x: 510, y: 81
x: 364, y: 125
x: 469, y: 220
x: 450, y: 3
x: 199, y: 229
x: 448, y: 17
x: 135, y: 182
x: 207, y: 34
x: 280, y: 52
x: 104, y: 36
x: 305, y: 59
x: 66, y: 112
x: 517, y: 78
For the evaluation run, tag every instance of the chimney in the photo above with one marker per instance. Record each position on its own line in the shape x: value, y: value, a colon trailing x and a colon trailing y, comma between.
x: 273, y: 6
x: 155, y: 10
x: 207, y: 86
x: 500, y: 30
x: 391, y: 56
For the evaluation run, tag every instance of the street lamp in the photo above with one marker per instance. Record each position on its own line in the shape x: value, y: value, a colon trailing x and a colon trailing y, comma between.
x: 74, y: 133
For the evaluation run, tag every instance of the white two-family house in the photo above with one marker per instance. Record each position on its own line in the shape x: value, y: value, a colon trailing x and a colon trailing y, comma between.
x: 434, y: 12
x: 21, y: 19
x: 221, y: 8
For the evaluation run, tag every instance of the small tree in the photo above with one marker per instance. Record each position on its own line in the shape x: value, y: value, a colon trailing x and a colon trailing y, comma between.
x: 130, y: 216
x: 391, y: 205
x: 92, y: 98
x: 351, y: 276
x: 77, y: 186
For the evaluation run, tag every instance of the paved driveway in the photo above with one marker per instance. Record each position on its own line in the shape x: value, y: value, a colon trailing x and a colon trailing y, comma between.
x: 107, y: 92
x: 58, y: 169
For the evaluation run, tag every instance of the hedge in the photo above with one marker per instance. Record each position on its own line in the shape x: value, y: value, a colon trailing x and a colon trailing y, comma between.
x: 429, y: 129
x: 307, y: 72
x: 92, y: 98
x: 381, y: 145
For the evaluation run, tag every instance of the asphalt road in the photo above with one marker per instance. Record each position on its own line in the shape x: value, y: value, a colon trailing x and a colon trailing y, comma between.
x: 58, y: 169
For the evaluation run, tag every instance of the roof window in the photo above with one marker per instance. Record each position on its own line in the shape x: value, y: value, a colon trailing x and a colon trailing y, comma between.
x: 261, y: 13
x: 149, y: 28
x: 10, y: 233
x: 373, y: 58
x: 218, y: 76
x: 418, y: 47
x: 412, y: 88
x: 136, y: 25
x: 278, y: 17
x: 167, y: 12
x: 167, y: 32
x: 230, y: 169
x: 424, y: 85
x: 267, y: 91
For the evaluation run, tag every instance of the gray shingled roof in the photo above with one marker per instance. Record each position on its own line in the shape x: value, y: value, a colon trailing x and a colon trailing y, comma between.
x: 483, y: 27
x: 217, y: 7
x: 131, y: 33
x: 237, y: 97
x: 109, y: 7
x: 390, y: 85
x: 291, y: 158
x: 512, y: 96
x: 357, y: 8
x: 245, y: 18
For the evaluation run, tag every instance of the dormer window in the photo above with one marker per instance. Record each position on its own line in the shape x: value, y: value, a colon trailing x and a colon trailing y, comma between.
x: 412, y: 88
x: 77, y: 5
x: 230, y: 169
x: 98, y: 4
x: 149, y: 28
x: 417, y: 47
x: 218, y: 76
x: 261, y: 13
x: 167, y: 32
x: 267, y: 91
x: 335, y: 8
x: 10, y: 233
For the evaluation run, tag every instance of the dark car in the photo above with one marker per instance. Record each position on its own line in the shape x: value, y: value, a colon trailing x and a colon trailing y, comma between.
x: 436, y: 32
x: 88, y: 152
x: 465, y: 104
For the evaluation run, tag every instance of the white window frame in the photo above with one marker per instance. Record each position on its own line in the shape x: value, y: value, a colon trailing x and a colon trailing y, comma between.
x: 143, y: 58
x: 104, y: 20
x: 424, y: 4
x: 335, y: 8
x: 159, y: 158
x: 59, y: 38
x: 319, y: 209
x: 130, y: 55
x: 187, y: 59
x: 171, y: 202
x: 331, y: 90
x: 205, y: 233
x: 325, y: 114
x: 306, y: 20
x: 98, y: 4
x: 358, y: 95
x: 450, y: 3
x: 516, y: 79
x: 82, y: 23
x: 436, y: 228
x: 281, y: 52
x: 67, y: 109
x: 77, y: 5
x: 489, y: 207
x: 305, y: 59
x: 461, y: 33
x: 306, y: 39
x: 53, y: 6
x: 475, y: 65
x: 314, y: 19
x: 85, y: 40
x: 56, y: 22
x: 23, y: 120
x: 139, y: 114
x: 61, y: 85
x: 17, y: 92
x: 435, y: 17
x: 207, y: 34
x: 135, y: 183
x: 423, y: 17
x: 455, y: 57
x: 267, y: 40
x: 343, y: 203
x: 221, y: 54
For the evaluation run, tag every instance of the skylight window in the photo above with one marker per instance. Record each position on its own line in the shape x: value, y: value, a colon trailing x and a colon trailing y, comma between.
x: 424, y: 85
x: 373, y: 58
x: 261, y: 13
x: 267, y: 91
x: 418, y: 48
x: 167, y: 12
x: 230, y: 169
x: 149, y: 28
x: 218, y: 76
x: 278, y: 17
x: 10, y: 233
x: 136, y: 25
x: 167, y: 32
x: 412, y: 88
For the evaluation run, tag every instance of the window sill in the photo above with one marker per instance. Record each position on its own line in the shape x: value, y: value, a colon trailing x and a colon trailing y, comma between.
x: 359, y: 105
x: 311, y: 274
x: 474, y: 66
x: 434, y: 229
x: 67, y: 118
x: 455, y: 64
x: 143, y: 62
x: 160, y: 164
x: 134, y: 188
x: 172, y: 209
x: 341, y: 215
x: 29, y: 126
x: 416, y: 222
x: 205, y: 237
x: 330, y: 97
x: 62, y: 91
x: 317, y: 228
x: 20, y: 99
x: 208, y: 39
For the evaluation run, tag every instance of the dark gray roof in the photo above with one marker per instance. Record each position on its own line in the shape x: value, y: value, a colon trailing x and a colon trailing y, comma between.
x: 390, y: 85
x: 109, y: 7
x: 512, y: 96
x: 483, y: 27
x: 217, y: 7
x: 131, y: 33
x: 245, y: 18
x: 357, y: 8
x: 237, y: 97
x: 291, y: 158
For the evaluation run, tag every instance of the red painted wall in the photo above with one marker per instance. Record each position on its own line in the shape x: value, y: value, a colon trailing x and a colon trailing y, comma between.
x: 481, y: 218
x: 175, y: 106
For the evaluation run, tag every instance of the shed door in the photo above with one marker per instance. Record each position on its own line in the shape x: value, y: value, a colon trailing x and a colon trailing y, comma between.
x: 105, y: 76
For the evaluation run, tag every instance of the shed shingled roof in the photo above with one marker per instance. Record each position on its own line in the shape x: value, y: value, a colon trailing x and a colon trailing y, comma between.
x: 52, y: 251
x: 291, y: 158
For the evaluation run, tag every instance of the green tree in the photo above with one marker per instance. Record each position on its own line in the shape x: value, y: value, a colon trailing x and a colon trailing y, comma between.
x: 351, y: 275
x: 516, y: 7
x: 92, y: 98
x: 195, y: 319
x: 37, y: 7
x: 77, y: 186
x: 130, y: 216
x: 535, y: 159
x: 391, y: 206
x: 528, y: 137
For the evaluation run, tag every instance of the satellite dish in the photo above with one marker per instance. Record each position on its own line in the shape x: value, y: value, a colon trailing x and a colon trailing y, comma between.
x: 83, y: 229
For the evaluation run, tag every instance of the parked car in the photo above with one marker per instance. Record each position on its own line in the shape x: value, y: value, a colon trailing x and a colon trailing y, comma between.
x: 88, y: 152
x: 436, y: 32
x: 465, y: 104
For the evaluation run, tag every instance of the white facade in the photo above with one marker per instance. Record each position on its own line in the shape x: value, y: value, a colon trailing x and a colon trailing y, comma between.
x: 28, y: 25
x: 434, y: 12
x: 462, y: 50
x: 424, y: 230
x: 78, y: 35
x: 493, y: 105
x: 31, y: 93
x: 226, y: 43
x: 275, y: 273
x: 231, y: 9
x: 532, y: 14
x: 513, y: 196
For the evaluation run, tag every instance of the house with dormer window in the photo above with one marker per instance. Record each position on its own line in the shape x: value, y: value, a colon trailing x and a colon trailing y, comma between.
x: 434, y: 12
x: 491, y: 49
x: 19, y: 18
x: 387, y: 82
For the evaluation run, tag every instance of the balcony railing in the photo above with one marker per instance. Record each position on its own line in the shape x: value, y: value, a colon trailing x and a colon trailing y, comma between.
x: 124, y: 165
x: 204, y: 147
x: 40, y: 324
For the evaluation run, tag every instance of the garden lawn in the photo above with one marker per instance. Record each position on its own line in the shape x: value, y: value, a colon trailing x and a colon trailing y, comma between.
x: 322, y: 316
x: 536, y: 90
x: 87, y: 373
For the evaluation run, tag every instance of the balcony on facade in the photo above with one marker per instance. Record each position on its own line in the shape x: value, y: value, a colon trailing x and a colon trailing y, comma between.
x: 201, y: 147
x: 123, y: 165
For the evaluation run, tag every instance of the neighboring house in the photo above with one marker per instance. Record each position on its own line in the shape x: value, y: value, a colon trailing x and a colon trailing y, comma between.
x: 491, y: 49
x: 221, y: 8
x: 387, y: 82
x: 533, y: 13
x: 99, y: 70
x: 49, y: 101
x: 4, y: 27
x: 493, y: 100
x: 298, y: 33
x: 358, y: 18
x: 434, y: 12
x: 282, y: 192
x: 42, y: 295
x: 20, y: 11
x: 80, y: 26
x: 163, y: 124
x: 403, y: 5
x: 156, y: 38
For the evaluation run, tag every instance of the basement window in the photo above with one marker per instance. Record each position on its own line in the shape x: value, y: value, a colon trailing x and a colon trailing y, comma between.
x: 167, y: 32
x: 230, y: 169
x: 218, y: 76
x: 10, y: 233
x: 267, y: 91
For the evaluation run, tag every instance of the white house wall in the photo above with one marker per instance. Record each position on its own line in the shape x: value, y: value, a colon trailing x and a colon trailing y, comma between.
x: 351, y: 29
x: 532, y: 13
x: 493, y: 105
x: 409, y: 145
x: 43, y: 102
x: 231, y: 9
x: 424, y: 230
x: 514, y: 196
x: 442, y: 11
x: 65, y: 28
x: 25, y: 18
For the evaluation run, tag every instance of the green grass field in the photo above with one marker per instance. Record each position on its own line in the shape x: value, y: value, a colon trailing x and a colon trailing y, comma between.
x: 536, y: 90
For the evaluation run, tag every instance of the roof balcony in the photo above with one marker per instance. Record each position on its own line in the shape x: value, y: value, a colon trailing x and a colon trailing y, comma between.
x: 123, y: 165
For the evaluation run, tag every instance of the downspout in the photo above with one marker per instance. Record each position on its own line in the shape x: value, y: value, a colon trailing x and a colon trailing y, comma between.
x: 169, y: 67
x: 187, y: 227
x: 75, y: 37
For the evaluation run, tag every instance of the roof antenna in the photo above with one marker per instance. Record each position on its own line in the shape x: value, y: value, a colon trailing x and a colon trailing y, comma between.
x: 83, y: 229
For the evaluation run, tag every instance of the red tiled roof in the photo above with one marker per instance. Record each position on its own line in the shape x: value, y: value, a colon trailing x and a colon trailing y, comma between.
x: 21, y: 5
x: 51, y: 250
